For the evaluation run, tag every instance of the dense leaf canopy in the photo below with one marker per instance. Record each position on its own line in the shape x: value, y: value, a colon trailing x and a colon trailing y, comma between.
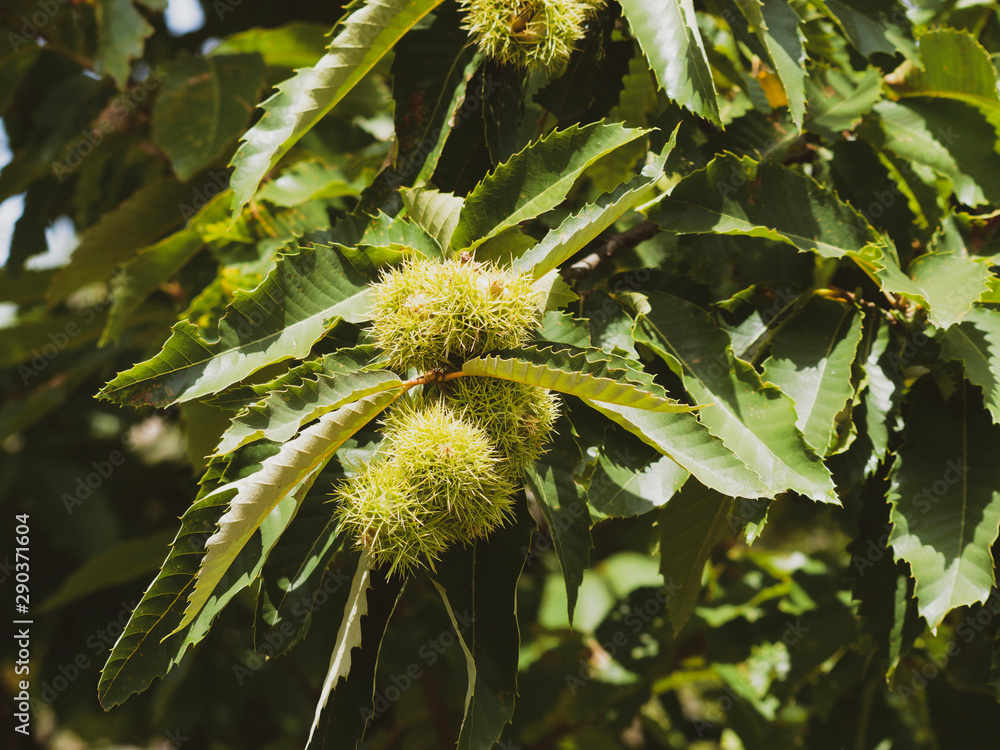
x: 756, y: 238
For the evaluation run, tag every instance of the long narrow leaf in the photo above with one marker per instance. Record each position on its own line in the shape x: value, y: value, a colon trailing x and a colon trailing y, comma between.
x: 364, y: 38
x: 282, y: 318
x: 535, y: 180
x: 258, y: 494
x: 588, y: 373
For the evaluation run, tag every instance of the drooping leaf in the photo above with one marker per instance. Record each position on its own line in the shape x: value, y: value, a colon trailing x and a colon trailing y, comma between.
x: 430, y: 68
x: 811, y: 360
x: 669, y: 36
x: 348, y: 637
x: 147, y: 648
x: 781, y: 36
x: 203, y: 105
x: 552, y: 292
x: 880, y: 391
x: 363, y: 38
x: 624, y: 485
x: 949, y: 278
x: 296, y: 304
x: 486, y: 624
x: 346, y: 699
x: 299, y: 575
x: 282, y: 412
x: 565, y: 329
x: 123, y: 33
x: 587, y: 373
x: 945, y: 502
x: 149, y: 214
x: 688, y: 442
x: 691, y: 524
x: 281, y: 475
x: 976, y: 343
x: 402, y: 232
x: 754, y: 419
x: 535, y: 180
x: 564, y: 506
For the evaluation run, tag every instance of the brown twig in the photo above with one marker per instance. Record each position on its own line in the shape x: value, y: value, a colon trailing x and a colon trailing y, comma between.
x: 609, y: 248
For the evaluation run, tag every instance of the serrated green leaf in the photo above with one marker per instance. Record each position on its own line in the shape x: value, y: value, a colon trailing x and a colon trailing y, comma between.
x: 146, y: 649
x: 308, y: 181
x: 348, y: 637
x: 691, y: 524
x: 147, y: 215
x: 478, y: 584
x: 283, y: 411
x: 838, y: 101
x: 688, y: 442
x: 755, y: 420
x: 123, y: 33
x: 631, y: 490
x: 874, y: 28
x: 949, y: 278
x: 587, y: 373
x: 363, y: 38
x: 811, y: 360
x: 881, y: 394
x: 294, y: 306
x: 346, y: 703
x: 401, y: 232
x: 945, y: 503
x: 578, y: 230
x: 735, y: 195
x: 280, y: 476
x: 535, y: 180
x: 948, y: 136
x: 203, y: 105
x: 563, y: 328
x: 783, y: 40
x: 976, y: 343
x: 298, y: 576
x: 511, y: 243
x: 552, y: 292
x: 564, y: 506
x: 953, y: 65
x: 435, y: 211
x: 668, y: 34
